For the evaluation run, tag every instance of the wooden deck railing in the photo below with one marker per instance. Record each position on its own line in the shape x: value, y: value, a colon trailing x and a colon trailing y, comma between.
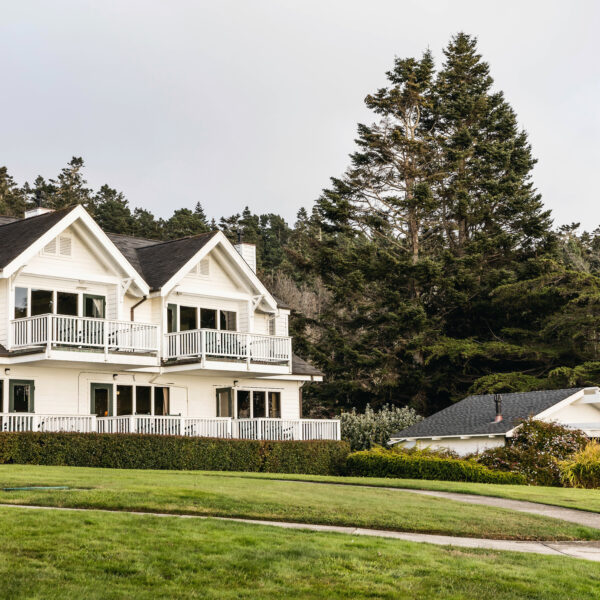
x: 84, y: 332
x: 230, y: 345
x: 215, y: 427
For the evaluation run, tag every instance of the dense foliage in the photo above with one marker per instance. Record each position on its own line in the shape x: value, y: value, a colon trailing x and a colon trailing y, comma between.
x: 582, y: 469
x: 428, y: 270
x: 379, y: 462
x: 535, y: 451
x: 124, y: 451
x: 364, y: 430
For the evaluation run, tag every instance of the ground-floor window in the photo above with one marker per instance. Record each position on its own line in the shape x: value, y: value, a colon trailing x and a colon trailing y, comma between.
x: 248, y: 404
x: 225, y: 402
x: 130, y: 399
x: 20, y: 395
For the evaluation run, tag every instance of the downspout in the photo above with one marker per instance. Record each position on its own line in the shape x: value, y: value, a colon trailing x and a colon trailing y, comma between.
x: 132, y: 309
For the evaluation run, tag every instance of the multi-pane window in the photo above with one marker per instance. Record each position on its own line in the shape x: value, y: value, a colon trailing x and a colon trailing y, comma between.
x: 251, y: 404
x: 186, y: 318
x: 33, y: 302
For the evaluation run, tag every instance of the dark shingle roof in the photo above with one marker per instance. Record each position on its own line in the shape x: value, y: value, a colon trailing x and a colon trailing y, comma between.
x: 159, y: 261
x: 4, y: 219
x: 128, y: 247
x: 301, y: 367
x: 475, y: 414
x: 17, y: 236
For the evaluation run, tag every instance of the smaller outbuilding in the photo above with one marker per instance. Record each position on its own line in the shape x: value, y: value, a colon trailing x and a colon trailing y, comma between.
x: 486, y: 421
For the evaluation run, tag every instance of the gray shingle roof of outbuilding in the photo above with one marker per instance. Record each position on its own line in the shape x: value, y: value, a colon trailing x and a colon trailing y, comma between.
x: 475, y: 414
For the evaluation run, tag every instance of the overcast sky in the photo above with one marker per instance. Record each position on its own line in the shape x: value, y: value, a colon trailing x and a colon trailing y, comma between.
x: 235, y: 103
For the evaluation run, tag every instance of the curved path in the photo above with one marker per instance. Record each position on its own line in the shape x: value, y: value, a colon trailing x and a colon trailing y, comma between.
x: 582, y: 550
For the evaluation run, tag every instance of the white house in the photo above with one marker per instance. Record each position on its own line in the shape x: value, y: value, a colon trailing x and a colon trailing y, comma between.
x: 480, y: 422
x: 109, y: 333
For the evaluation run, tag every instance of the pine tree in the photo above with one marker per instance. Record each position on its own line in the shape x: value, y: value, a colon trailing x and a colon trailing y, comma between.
x: 12, y: 198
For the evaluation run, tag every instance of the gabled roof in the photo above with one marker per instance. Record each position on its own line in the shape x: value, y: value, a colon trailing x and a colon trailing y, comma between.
x: 129, y: 245
x: 159, y: 262
x: 24, y: 238
x: 17, y: 236
x: 475, y: 414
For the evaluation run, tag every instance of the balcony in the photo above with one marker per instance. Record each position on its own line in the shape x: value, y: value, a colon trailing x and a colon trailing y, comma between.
x: 83, y: 333
x: 210, y: 344
x: 216, y: 427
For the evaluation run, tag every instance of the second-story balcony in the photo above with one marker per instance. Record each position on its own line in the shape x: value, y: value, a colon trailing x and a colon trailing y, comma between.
x: 61, y: 332
x: 216, y: 345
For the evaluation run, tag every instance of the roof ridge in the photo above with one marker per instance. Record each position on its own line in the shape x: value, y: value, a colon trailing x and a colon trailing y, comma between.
x: 187, y: 237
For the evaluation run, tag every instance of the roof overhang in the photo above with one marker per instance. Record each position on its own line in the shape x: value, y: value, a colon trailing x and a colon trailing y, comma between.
x: 78, y: 214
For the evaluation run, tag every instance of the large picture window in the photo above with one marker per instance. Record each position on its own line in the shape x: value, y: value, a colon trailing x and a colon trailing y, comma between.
x: 66, y: 304
x: 208, y: 318
x: 188, y: 318
x: 41, y: 302
x: 253, y: 404
x: 124, y: 400
x: 143, y: 400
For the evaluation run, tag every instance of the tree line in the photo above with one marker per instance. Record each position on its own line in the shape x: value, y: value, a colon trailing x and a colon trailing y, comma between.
x: 429, y: 269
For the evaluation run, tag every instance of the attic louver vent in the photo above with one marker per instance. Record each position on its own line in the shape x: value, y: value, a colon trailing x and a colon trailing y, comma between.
x: 204, y: 268
x: 50, y: 248
x: 60, y: 246
x: 65, y: 246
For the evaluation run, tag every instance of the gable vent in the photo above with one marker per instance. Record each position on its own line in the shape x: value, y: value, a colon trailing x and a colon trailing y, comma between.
x: 204, y: 268
x: 50, y: 248
x: 65, y: 246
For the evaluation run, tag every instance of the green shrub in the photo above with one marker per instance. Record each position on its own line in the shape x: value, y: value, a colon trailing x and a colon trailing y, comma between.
x: 372, y: 428
x: 385, y: 463
x: 535, y: 451
x: 582, y: 469
x: 135, y: 451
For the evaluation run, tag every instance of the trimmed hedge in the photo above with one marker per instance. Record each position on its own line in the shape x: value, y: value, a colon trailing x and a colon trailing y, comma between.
x: 136, y: 451
x: 384, y: 463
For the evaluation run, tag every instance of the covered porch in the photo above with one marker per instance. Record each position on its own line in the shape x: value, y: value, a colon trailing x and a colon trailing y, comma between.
x: 215, y: 427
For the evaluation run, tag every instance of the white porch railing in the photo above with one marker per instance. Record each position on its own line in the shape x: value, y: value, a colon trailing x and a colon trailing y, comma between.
x: 37, y: 422
x: 215, y: 427
x: 200, y: 343
x: 85, y: 332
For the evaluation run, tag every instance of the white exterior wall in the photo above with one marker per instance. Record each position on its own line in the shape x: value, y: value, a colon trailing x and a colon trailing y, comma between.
x: 461, y: 447
x: 4, y: 313
x: 67, y: 390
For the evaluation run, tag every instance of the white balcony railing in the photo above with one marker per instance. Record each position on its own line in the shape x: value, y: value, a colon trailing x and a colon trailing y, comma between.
x: 223, y: 427
x: 38, y: 422
x: 214, y: 427
x: 84, y: 332
x: 230, y: 345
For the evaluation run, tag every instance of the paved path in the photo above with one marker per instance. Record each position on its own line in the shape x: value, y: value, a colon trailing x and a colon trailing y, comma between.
x: 584, y: 550
x: 580, y: 517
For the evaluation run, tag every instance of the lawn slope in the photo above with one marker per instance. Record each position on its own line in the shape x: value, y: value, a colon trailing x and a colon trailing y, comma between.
x: 217, y: 494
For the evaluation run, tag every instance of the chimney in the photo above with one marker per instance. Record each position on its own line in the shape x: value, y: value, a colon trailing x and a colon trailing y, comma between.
x: 35, y: 212
x: 246, y: 251
x: 498, y: 403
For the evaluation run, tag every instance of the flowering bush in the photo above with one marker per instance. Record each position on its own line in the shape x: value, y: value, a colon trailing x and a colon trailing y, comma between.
x: 535, y: 451
x: 582, y: 469
x: 363, y: 431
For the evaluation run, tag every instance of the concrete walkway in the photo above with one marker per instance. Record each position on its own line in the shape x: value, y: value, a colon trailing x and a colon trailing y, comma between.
x: 580, y: 517
x: 582, y: 550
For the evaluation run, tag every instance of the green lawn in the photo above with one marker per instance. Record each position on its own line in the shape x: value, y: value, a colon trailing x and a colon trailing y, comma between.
x: 221, y: 494
x: 579, y: 499
x: 91, y: 555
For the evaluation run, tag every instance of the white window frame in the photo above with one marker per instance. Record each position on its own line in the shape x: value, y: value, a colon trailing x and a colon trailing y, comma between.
x: 252, y: 390
x: 54, y: 291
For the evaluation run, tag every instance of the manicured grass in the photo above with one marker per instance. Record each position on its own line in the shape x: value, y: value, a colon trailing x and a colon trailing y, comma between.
x: 220, y: 494
x: 579, y: 499
x: 51, y: 555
